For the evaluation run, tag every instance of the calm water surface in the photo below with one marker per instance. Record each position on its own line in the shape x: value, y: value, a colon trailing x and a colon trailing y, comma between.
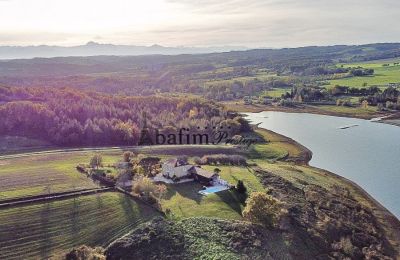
x: 368, y: 154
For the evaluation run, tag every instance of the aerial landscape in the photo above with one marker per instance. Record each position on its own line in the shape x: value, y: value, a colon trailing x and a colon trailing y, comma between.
x: 188, y: 130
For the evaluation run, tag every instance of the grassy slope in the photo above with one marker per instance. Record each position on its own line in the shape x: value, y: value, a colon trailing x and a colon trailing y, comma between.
x: 358, y: 112
x: 17, y: 143
x: 38, y: 230
x: 35, y: 175
x: 382, y: 75
x: 184, y: 200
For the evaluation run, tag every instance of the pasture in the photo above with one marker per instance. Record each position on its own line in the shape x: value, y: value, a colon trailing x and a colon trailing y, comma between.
x: 383, y: 75
x: 41, y: 230
x: 46, y: 173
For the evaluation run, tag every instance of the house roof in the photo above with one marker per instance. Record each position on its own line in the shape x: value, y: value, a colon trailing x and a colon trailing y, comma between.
x: 204, y: 173
x: 172, y: 161
x: 176, y: 162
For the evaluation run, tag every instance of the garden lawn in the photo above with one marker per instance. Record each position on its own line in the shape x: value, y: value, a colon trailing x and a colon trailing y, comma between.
x: 234, y: 173
x: 184, y: 201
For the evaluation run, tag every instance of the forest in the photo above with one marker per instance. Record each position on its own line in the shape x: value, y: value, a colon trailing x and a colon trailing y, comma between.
x: 71, y: 117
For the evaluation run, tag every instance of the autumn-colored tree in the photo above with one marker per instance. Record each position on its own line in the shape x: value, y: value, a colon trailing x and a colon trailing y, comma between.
x: 262, y: 208
x: 161, y: 189
x: 193, y: 112
x: 96, y: 161
x: 127, y: 156
x: 144, y: 186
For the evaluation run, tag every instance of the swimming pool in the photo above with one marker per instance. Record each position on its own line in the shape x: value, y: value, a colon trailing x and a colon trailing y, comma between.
x: 213, y: 189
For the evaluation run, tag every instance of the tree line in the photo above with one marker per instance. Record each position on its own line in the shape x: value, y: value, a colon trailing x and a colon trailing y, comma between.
x: 72, y: 117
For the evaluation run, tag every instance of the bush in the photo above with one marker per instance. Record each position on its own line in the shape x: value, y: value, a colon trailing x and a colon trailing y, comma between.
x: 127, y: 156
x: 240, y: 187
x: 263, y: 209
x: 86, y: 253
x: 197, y: 160
x: 347, y: 246
x: 223, y: 159
x: 144, y: 186
x: 96, y: 161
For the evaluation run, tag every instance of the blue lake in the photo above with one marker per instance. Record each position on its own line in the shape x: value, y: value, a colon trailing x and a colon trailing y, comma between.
x: 366, y: 152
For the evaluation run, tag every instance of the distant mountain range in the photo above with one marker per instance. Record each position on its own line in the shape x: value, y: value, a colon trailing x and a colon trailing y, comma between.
x: 94, y: 49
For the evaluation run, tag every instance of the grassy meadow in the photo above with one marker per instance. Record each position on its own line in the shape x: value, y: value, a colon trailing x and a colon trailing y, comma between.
x: 38, y: 231
x: 359, y: 112
x: 47, y: 173
x: 383, y: 75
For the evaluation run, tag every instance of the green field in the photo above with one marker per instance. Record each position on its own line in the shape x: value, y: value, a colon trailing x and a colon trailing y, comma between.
x: 38, y: 231
x: 382, y: 75
x: 42, y: 174
x: 351, y: 111
x: 233, y: 173
x: 276, y: 92
x: 184, y: 200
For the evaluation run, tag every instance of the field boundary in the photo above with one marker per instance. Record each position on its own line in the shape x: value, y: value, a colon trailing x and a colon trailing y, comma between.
x: 52, y: 196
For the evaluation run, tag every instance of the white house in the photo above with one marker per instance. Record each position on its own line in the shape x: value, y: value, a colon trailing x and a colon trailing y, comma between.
x: 177, y: 170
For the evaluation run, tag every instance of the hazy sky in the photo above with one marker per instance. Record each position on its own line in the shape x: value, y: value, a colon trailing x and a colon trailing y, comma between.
x: 252, y: 23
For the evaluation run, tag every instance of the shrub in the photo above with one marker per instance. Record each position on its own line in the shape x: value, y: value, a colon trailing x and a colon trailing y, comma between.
x: 197, y: 160
x: 144, y: 186
x: 127, y: 156
x: 96, y: 161
x: 86, y: 253
x: 347, y: 246
x: 263, y: 209
x: 240, y: 187
x: 223, y: 159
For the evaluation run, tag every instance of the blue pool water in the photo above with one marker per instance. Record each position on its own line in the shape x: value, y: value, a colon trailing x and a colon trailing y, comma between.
x: 213, y: 189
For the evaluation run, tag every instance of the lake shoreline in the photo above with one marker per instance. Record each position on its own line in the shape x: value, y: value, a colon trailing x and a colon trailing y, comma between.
x: 388, y: 221
x: 387, y: 118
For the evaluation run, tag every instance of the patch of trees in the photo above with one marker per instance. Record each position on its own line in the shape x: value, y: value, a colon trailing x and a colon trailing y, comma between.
x: 338, y: 90
x: 388, y: 99
x: 320, y: 70
x: 221, y: 159
x: 307, y: 94
x: 238, y: 89
x: 148, y: 190
x: 360, y: 72
x: 72, y: 117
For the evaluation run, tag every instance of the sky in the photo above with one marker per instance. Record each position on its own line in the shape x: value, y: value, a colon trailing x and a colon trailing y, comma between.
x: 250, y: 23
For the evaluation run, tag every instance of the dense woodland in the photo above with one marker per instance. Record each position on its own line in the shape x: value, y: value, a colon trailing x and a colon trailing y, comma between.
x: 71, y: 117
